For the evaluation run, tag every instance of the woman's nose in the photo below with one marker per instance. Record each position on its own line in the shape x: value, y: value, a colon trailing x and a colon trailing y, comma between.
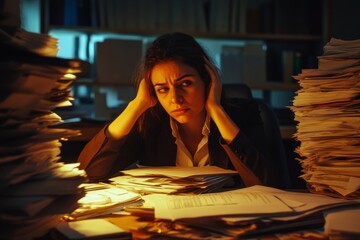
x: 176, y: 97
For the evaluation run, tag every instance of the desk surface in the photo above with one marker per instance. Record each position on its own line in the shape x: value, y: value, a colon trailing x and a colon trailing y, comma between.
x: 134, y: 224
x: 143, y: 225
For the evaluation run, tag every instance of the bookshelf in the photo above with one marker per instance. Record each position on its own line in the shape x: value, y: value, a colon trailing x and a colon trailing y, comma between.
x: 280, y: 26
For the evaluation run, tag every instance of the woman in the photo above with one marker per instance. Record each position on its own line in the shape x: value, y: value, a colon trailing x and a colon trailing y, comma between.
x: 180, y: 117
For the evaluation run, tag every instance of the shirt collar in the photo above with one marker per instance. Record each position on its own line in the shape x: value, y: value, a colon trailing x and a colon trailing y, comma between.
x: 175, y: 128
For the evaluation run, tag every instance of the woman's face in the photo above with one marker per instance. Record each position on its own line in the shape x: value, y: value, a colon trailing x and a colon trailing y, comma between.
x: 180, y: 91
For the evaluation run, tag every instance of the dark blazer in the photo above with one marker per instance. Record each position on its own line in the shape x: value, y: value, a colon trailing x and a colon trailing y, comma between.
x: 103, y: 157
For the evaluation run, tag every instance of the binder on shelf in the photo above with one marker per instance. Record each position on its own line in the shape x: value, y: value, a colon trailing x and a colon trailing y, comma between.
x: 232, y: 64
x: 287, y: 60
x: 238, y: 16
x: 145, y: 17
x: 246, y: 64
x: 163, y: 15
x: 254, y: 63
x: 189, y: 16
x: 219, y: 19
x: 200, y: 15
x: 102, y: 6
x: 116, y: 14
x: 117, y: 60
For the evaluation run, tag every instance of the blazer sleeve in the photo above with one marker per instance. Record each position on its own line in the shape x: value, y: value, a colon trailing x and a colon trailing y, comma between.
x: 249, y: 145
x: 103, y: 157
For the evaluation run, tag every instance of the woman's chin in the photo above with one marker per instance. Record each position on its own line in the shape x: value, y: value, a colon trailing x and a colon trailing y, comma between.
x: 182, y: 119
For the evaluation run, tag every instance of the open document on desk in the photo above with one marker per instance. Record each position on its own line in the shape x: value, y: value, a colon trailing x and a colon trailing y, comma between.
x: 256, y: 201
x: 246, y: 212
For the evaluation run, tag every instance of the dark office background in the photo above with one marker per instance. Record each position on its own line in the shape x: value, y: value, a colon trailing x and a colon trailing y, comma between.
x: 341, y: 19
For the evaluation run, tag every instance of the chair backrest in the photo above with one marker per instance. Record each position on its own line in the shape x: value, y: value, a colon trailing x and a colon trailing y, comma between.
x: 271, y: 127
x: 237, y: 90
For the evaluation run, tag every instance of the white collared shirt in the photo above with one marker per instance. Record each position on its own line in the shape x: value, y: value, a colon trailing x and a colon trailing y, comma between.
x: 183, y: 156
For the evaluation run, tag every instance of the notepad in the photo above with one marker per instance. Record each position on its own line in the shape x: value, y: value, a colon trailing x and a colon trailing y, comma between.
x: 91, y: 229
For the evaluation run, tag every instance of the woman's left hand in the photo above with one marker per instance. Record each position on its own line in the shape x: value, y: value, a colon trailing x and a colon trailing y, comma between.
x: 215, y: 87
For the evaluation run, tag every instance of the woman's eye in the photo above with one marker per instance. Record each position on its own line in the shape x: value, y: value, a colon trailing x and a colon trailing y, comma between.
x: 186, y: 83
x: 162, y: 90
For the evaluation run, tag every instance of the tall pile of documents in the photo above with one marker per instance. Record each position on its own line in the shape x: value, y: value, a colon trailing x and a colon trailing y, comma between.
x: 36, y: 189
x: 327, y: 109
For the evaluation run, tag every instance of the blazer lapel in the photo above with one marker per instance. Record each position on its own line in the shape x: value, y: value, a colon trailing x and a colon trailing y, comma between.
x: 218, y: 156
x: 167, y: 147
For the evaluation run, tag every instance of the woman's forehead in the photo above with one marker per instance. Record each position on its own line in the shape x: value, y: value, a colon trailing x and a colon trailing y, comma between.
x: 172, y: 69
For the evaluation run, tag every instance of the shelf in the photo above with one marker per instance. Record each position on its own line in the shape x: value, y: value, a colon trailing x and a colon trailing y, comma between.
x: 152, y: 33
x: 275, y: 86
x: 260, y: 86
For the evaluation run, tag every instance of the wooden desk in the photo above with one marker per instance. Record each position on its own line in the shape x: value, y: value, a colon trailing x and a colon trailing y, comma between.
x: 132, y: 223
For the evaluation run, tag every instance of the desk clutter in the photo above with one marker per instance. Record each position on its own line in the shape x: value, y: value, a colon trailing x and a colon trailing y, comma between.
x: 36, y: 189
x: 327, y: 109
x: 230, y: 214
x: 250, y: 212
x: 127, y: 190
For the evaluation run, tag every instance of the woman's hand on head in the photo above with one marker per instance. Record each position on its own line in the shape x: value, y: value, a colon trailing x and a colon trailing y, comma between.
x: 215, y: 87
x: 123, y: 124
x: 144, y: 96
x: 227, y: 127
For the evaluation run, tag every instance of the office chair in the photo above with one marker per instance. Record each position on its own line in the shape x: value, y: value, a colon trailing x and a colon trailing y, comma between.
x: 237, y: 90
x: 271, y: 127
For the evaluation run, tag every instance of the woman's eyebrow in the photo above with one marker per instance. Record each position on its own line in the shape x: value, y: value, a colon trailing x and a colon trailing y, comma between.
x: 176, y: 80
x: 159, y: 84
x: 184, y: 76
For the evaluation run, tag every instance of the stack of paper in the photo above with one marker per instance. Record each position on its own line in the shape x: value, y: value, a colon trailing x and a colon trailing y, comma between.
x: 174, y: 180
x: 343, y: 224
x: 238, y: 213
x: 41, y: 44
x: 101, y: 199
x: 35, y: 188
x: 327, y: 109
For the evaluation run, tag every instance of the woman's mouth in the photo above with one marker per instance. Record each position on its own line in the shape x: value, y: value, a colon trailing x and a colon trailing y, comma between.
x: 180, y: 111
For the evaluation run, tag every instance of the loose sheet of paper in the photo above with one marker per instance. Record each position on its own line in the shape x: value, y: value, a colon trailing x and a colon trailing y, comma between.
x: 216, y: 204
x: 178, y: 172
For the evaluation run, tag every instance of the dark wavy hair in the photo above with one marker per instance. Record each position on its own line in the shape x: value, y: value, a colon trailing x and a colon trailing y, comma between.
x: 175, y: 46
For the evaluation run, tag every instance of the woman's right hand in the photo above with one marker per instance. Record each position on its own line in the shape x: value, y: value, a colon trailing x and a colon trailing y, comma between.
x: 122, y: 125
x: 144, y: 96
